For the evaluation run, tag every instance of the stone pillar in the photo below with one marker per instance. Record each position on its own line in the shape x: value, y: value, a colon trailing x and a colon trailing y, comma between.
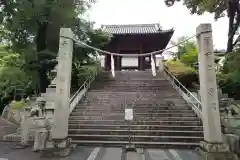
x: 58, y: 142
x: 213, y: 147
x: 63, y: 85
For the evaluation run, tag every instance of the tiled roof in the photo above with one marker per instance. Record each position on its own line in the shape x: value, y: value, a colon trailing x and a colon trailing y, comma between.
x: 134, y: 29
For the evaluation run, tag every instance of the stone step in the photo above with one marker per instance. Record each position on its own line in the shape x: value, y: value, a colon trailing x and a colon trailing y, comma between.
x: 136, y: 83
x: 139, y: 144
x: 108, y: 94
x: 113, y: 117
x: 138, y: 98
x: 135, y: 110
x: 123, y: 105
x: 129, y: 97
x: 131, y: 89
x: 139, y: 122
x: 137, y: 115
x: 125, y: 137
x: 142, y: 104
x: 135, y: 100
x: 134, y: 86
x: 136, y: 132
x: 158, y: 83
x: 136, y: 127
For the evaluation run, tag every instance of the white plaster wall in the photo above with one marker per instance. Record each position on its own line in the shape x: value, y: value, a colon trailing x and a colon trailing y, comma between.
x: 129, y: 61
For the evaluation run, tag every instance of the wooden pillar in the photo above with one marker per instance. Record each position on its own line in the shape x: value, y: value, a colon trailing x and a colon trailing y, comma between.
x: 139, y: 63
x: 140, y: 59
x: 118, y: 63
x: 154, y: 57
x: 115, y: 62
x: 213, y: 147
x: 106, y: 62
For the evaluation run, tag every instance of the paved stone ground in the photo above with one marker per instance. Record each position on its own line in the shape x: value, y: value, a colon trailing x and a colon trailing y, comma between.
x: 8, y: 152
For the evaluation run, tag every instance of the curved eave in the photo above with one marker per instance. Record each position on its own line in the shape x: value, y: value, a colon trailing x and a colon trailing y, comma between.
x: 170, y: 31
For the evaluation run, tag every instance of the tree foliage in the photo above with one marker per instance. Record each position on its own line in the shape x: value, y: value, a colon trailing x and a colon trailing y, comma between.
x: 190, y: 54
x: 220, y: 8
x: 229, y: 77
x: 187, y: 51
x: 13, y: 77
x: 185, y: 74
x: 30, y: 29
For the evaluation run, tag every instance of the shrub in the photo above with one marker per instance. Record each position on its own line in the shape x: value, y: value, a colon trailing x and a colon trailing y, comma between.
x: 13, y: 77
x: 189, y: 59
x: 229, y: 79
x: 81, y: 73
x: 18, y: 104
x: 230, y: 84
x: 185, y: 74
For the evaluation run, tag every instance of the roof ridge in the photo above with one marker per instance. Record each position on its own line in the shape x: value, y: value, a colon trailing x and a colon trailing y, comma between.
x: 134, y: 28
x: 130, y: 25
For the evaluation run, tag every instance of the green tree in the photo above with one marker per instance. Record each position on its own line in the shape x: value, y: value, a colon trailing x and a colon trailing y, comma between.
x: 220, y: 8
x: 186, y: 51
x: 190, y: 57
x: 32, y: 29
x: 13, y: 76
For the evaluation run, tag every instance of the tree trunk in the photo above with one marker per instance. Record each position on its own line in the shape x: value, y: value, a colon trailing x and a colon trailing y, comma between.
x: 231, y: 14
x: 41, y: 45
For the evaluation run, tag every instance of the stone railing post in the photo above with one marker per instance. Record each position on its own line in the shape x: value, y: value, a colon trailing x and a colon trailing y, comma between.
x: 212, y: 147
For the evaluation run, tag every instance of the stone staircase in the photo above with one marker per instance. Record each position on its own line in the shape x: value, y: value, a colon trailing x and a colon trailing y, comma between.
x: 161, y: 117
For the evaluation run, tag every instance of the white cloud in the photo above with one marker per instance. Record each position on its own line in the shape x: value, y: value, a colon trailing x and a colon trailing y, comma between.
x: 152, y: 11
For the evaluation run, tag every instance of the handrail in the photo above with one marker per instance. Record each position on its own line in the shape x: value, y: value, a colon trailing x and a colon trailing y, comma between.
x: 196, y: 105
x: 81, y: 91
x: 84, y: 85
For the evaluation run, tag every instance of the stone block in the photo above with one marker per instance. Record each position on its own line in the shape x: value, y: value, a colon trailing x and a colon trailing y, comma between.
x: 218, y: 156
x: 216, y: 151
x: 233, y: 142
x: 214, y: 147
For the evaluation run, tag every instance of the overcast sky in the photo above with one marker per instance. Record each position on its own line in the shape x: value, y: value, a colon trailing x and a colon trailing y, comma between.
x: 155, y: 11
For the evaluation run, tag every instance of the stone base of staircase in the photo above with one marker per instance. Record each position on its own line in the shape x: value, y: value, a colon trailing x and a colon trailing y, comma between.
x: 6, y: 128
x: 216, y: 152
x: 15, y: 137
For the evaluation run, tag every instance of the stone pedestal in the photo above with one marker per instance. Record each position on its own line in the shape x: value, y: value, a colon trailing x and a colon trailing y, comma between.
x: 60, y: 148
x: 216, y: 151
